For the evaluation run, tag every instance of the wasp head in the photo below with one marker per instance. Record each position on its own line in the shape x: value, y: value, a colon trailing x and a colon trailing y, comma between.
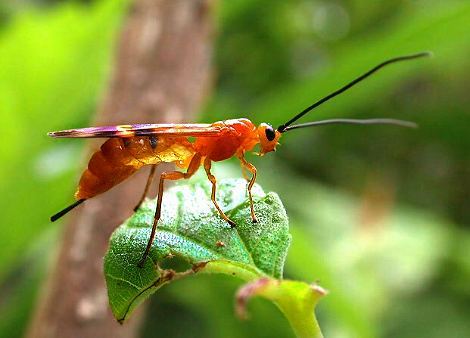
x: 268, y: 138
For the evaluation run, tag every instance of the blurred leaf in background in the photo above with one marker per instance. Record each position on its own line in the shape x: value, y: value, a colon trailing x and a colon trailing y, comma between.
x: 379, y: 214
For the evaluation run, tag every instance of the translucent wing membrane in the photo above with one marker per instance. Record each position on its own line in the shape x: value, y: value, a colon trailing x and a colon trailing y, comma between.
x: 131, y: 130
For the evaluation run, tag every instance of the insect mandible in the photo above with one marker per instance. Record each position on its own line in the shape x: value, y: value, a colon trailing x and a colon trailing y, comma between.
x: 131, y: 147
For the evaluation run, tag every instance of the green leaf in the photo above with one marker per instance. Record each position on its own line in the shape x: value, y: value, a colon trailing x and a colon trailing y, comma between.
x: 190, y: 230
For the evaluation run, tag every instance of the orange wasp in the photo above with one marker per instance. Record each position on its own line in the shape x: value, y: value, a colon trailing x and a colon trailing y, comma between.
x: 130, y: 147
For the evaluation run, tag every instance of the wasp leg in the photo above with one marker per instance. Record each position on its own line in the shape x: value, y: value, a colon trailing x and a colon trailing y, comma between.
x: 251, y: 168
x: 245, y: 176
x: 147, y: 186
x: 207, y: 168
x: 168, y: 175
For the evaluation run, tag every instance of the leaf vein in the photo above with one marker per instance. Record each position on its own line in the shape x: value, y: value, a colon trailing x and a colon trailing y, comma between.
x: 123, y: 280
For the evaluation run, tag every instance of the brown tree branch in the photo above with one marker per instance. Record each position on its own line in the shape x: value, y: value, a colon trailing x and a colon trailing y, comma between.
x: 161, y: 75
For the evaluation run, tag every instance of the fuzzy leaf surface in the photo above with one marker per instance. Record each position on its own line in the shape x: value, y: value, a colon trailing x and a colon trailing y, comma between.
x: 191, y: 231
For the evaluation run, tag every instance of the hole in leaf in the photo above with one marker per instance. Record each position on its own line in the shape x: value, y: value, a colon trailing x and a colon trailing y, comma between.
x: 177, y: 263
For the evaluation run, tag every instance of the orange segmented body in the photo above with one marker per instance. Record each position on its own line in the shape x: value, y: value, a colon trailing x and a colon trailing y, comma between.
x: 131, y: 147
x: 119, y: 158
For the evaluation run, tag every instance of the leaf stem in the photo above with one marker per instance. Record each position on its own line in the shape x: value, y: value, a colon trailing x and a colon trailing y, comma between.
x: 296, y: 300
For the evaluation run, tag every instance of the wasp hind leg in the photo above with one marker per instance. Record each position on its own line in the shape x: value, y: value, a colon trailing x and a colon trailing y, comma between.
x: 173, y: 176
x: 147, y: 186
x: 252, y: 169
x: 207, y: 168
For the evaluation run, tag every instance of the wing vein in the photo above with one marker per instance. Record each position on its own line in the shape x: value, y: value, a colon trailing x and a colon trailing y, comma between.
x: 132, y: 130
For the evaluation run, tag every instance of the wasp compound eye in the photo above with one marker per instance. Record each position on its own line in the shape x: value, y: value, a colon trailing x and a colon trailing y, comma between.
x: 270, y: 133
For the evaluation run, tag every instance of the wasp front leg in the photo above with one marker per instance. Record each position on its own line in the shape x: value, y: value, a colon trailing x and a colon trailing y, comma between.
x: 252, y: 169
x: 168, y: 175
x: 207, y: 168
x: 245, y: 176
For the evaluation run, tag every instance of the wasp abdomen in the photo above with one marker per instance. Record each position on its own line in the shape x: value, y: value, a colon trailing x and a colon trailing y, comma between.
x: 119, y: 158
x: 107, y: 167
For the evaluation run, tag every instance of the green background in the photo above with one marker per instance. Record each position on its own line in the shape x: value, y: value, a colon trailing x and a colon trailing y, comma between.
x: 378, y: 214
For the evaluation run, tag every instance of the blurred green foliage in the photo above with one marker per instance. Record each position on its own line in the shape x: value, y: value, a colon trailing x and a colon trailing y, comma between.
x: 379, y: 214
x: 53, y: 65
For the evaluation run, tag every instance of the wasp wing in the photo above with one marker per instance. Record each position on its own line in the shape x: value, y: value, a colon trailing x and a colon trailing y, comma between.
x: 131, y: 130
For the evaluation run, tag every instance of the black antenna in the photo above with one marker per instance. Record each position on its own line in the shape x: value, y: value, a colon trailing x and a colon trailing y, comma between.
x: 66, y: 210
x: 394, y: 122
x: 284, y: 126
